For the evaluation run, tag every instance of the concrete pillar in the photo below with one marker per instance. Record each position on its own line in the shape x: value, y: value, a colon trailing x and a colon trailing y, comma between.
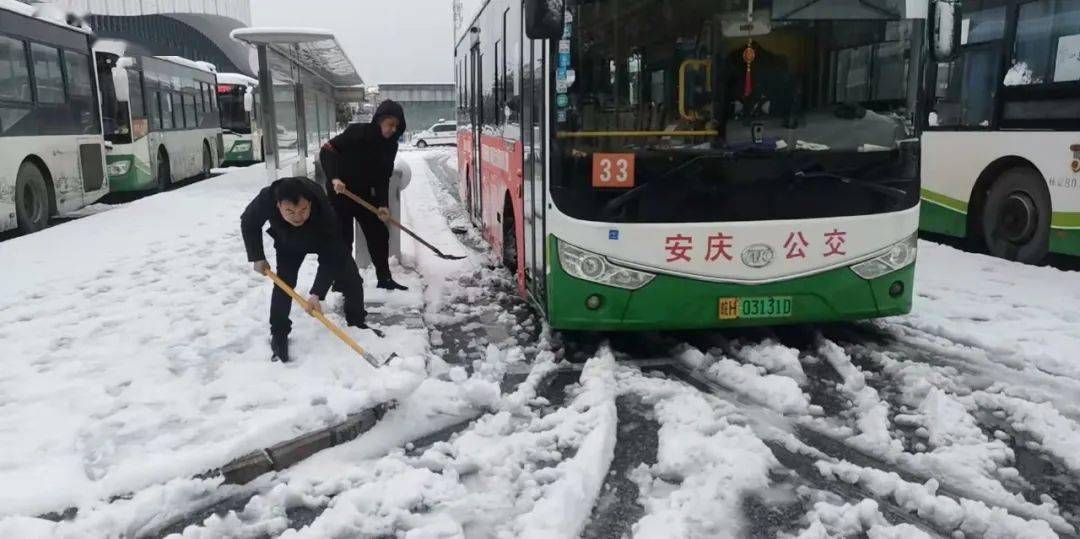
x: 399, y: 180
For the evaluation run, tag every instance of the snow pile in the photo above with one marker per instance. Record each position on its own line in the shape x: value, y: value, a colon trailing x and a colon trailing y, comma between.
x: 872, y: 413
x: 137, y: 349
x: 775, y: 391
x: 706, y: 462
x: 1018, y: 316
x: 772, y: 356
x: 828, y: 520
x: 504, y: 476
x: 1055, y: 433
x: 973, y: 518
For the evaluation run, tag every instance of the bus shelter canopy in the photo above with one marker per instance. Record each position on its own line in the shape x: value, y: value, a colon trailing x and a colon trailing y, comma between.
x: 316, y: 49
x: 302, y: 74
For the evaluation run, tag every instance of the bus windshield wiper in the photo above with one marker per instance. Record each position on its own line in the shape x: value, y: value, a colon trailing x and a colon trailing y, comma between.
x: 892, y: 192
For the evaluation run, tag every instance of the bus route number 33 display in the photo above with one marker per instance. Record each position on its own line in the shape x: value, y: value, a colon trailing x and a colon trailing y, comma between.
x: 613, y: 170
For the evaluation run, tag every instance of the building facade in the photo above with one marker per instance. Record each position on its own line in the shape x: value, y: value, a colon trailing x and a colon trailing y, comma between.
x: 193, y: 29
x: 424, y: 104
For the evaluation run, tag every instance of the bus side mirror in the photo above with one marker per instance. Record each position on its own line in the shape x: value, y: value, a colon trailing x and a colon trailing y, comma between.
x: 544, y: 18
x: 944, y: 28
x: 249, y: 101
x: 120, y: 84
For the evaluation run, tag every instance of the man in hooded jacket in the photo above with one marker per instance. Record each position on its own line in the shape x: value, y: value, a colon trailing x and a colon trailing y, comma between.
x: 361, y: 159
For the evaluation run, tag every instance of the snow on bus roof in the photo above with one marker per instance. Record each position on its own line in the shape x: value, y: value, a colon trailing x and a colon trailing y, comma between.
x: 43, y: 12
x: 201, y: 66
x: 236, y: 78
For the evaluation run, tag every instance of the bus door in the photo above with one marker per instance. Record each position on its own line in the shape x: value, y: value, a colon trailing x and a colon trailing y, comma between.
x: 475, y: 201
x: 532, y: 140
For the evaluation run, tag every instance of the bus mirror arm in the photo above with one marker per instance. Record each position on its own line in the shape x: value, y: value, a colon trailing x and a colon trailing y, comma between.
x: 944, y: 30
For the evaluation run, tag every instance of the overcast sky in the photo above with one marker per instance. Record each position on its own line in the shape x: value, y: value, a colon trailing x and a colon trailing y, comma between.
x: 388, y: 40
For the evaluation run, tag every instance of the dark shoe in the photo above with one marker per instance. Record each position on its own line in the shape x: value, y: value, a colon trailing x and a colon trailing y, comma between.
x: 279, y: 347
x: 360, y: 324
x: 391, y: 284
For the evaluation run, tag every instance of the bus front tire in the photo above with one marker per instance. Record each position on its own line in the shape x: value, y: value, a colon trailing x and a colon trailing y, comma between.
x: 32, y: 205
x: 421, y: 144
x: 1015, y: 219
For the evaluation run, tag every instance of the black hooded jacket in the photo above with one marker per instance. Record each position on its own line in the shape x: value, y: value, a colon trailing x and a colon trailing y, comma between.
x: 321, y: 234
x: 362, y: 158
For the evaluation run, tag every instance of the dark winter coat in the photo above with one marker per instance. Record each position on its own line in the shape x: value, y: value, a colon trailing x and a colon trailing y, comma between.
x: 321, y: 234
x: 362, y: 158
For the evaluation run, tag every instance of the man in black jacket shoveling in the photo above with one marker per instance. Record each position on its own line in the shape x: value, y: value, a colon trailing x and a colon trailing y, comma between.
x: 302, y: 222
x: 362, y: 160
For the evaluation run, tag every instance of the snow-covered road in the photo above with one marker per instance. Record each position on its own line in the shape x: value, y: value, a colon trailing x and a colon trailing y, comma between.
x: 135, y: 359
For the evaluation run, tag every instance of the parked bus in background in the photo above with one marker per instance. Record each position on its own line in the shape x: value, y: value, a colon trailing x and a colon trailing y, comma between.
x: 238, y: 99
x: 52, y: 156
x: 674, y: 164
x: 161, y: 116
x: 1001, y: 158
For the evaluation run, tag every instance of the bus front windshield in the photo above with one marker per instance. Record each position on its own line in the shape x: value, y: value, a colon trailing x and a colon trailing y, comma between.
x: 234, y: 117
x: 800, y: 109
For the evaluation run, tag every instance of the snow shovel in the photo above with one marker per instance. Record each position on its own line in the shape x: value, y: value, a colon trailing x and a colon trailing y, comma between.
x: 369, y: 207
x: 321, y: 318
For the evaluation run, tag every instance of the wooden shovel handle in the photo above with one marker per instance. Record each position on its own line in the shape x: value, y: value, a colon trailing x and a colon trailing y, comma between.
x: 318, y: 316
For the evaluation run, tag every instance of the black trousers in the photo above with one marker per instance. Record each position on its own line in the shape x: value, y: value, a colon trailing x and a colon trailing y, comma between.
x: 347, y: 280
x: 375, y: 232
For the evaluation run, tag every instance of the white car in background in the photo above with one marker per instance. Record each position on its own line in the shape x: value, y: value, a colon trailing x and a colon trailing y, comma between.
x: 440, y: 133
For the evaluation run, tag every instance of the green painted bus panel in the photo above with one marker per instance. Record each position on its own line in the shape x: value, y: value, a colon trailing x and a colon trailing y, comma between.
x: 1065, y: 241
x: 943, y: 215
x: 138, y: 177
x: 234, y: 157
x: 942, y: 220
x: 672, y: 303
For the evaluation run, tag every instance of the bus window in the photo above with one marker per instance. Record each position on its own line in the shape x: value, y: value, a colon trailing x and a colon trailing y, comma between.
x: 14, y: 71
x: 48, y: 78
x: 167, y: 112
x: 80, y: 87
x: 178, y: 110
x: 191, y: 111
x: 1047, y: 44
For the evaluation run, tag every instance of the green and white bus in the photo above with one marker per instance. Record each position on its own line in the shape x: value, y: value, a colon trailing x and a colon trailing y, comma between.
x: 1001, y: 154
x: 52, y: 154
x: 675, y: 164
x: 161, y: 116
x: 238, y: 99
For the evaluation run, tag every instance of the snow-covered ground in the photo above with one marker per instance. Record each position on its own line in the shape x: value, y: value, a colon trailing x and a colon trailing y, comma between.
x: 136, y: 357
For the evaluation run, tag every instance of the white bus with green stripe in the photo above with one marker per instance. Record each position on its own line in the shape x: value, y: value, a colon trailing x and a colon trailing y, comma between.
x: 161, y: 116
x: 52, y: 154
x: 238, y: 99
x: 678, y: 164
x: 1001, y: 154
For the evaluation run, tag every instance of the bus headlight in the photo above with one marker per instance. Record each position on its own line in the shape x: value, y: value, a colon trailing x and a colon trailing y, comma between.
x: 899, y: 255
x: 595, y: 268
x: 118, y: 168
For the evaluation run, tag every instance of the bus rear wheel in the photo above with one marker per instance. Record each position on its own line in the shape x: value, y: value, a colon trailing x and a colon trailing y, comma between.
x: 509, y: 247
x: 1015, y: 220
x: 164, y: 172
x: 207, y: 161
x: 32, y: 205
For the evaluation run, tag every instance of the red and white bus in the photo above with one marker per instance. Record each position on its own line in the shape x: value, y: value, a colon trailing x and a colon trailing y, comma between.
x: 674, y: 164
